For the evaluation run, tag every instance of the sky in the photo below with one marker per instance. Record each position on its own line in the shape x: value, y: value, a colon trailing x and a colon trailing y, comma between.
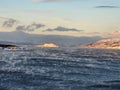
x: 62, y: 17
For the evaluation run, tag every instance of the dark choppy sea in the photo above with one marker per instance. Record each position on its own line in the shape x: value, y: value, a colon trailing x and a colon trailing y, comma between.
x: 60, y: 69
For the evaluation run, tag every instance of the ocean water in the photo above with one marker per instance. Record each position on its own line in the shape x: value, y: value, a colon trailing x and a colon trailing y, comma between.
x: 60, y: 69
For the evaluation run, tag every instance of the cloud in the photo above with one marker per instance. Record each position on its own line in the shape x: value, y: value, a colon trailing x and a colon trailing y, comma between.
x: 63, y: 29
x: 34, y: 26
x: 29, y: 28
x: 114, y: 33
x: 9, y: 23
x: 106, y: 7
x: 20, y: 28
x: 93, y: 34
x: 52, y: 0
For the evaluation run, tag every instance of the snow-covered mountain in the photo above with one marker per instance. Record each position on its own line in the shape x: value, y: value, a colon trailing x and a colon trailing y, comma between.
x: 17, y: 32
x: 61, y: 40
x: 48, y: 45
x: 113, y: 43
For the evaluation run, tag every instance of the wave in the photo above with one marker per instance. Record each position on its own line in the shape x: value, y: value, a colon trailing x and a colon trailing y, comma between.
x: 59, y: 70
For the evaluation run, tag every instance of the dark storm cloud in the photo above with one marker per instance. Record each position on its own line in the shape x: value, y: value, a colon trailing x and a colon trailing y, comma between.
x: 106, y: 7
x: 63, y: 29
x: 29, y: 28
x: 9, y: 23
x: 34, y: 26
x: 20, y: 28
